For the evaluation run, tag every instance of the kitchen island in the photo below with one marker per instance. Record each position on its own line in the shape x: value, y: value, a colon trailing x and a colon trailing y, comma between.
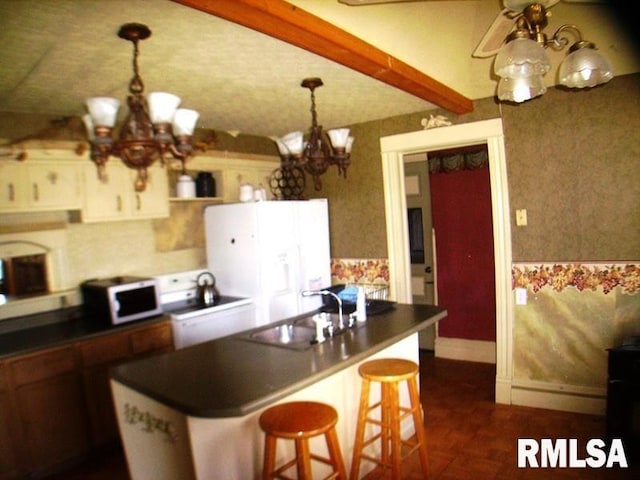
x: 194, y: 413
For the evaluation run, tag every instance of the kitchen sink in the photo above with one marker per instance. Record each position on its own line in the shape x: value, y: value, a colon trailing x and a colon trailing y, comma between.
x: 298, y: 334
x: 287, y: 335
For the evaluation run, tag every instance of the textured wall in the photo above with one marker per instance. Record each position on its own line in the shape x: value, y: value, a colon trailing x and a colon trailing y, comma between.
x: 572, y: 163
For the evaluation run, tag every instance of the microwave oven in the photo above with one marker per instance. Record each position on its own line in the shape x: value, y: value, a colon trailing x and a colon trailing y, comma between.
x: 121, y: 299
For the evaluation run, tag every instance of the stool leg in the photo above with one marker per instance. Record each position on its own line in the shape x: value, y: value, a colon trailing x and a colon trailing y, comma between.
x: 418, y: 425
x: 394, y: 419
x: 269, y: 461
x: 303, y: 459
x: 333, y: 445
x: 386, y: 419
x: 362, y: 415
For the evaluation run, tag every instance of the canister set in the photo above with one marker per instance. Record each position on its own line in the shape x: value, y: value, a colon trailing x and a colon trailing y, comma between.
x: 203, y: 186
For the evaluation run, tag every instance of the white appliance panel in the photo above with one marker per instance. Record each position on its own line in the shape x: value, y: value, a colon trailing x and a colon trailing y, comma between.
x: 210, y: 326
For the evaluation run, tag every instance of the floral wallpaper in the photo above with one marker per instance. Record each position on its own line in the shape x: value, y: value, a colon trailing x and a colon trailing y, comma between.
x: 360, y: 270
x: 574, y: 312
x: 582, y: 276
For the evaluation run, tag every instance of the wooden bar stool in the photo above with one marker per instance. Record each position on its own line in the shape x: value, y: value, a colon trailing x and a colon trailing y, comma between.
x: 299, y: 421
x: 389, y: 372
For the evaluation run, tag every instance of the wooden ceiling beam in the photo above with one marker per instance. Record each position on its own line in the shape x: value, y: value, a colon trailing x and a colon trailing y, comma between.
x: 287, y: 22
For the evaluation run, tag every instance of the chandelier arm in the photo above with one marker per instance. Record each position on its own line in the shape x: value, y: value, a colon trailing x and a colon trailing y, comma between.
x: 560, y: 40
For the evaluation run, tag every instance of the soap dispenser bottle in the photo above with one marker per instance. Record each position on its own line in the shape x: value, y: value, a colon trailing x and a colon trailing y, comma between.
x: 361, y: 305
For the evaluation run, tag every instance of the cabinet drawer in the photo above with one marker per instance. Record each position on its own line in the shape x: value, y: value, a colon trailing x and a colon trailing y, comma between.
x: 152, y: 339
x: 105, y: 349
x: 37, y: 367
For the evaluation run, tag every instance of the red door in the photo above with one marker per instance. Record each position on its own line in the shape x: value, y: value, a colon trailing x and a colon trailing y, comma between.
x: 461, y: 210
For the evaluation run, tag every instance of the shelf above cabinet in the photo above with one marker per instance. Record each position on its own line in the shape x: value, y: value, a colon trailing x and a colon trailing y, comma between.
x: 197, y: 199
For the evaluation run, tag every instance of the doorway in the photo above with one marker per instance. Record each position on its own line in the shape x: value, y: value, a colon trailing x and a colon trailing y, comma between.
x: 421, y: 247
x: 393, y: 150
x: 449, y: 204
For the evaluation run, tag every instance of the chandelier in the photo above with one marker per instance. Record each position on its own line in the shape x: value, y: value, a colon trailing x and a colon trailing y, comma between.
x: 153, y: 126
x: 522, y: 62
x: 320, y: 150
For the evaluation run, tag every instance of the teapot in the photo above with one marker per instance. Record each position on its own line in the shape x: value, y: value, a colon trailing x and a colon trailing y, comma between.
x: 207, y: 292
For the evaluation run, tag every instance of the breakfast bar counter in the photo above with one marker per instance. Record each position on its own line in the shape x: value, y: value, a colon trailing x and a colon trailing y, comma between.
x: 194, y: 413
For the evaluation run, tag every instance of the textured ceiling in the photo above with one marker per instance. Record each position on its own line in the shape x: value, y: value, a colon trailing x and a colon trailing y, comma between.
x: 54, y: 54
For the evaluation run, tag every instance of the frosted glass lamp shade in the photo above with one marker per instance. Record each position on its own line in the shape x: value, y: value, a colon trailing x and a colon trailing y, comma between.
x: 282, y: 148
x: 103, y: 111
x: 162, y: 106
x: 338, y: 137
x: 349, y: 144
x: 184, y: 121
x: 521, y: 89
x: 294, y: 142
x: 583, y: 68
x: 88, y: 125
x: 521, y: 57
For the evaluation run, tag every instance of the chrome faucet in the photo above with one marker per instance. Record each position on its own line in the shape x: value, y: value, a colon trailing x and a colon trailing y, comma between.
x: 310, y: 293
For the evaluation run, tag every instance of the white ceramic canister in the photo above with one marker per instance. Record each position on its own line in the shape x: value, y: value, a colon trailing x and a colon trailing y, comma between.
x: 246, y: 192
x: 185, y: 187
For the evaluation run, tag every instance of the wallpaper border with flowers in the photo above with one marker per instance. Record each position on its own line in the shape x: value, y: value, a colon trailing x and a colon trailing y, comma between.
x: 360, y: 270
x: 601, y: 276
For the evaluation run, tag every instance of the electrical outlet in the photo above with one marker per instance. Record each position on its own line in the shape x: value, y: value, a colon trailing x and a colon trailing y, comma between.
x: 521, y: 296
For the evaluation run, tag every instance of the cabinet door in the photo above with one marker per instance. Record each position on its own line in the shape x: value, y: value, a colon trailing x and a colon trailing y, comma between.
x: 52, y: 186
x: 154, y: 339
x: 105, y: 199
x: 8, y: 453
x: 13, y: 179
x: 154, y: 201
x: 50, y: 407
x: 97, y: 356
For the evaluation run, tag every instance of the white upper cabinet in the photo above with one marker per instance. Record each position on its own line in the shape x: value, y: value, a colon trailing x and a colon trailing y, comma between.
x: 40, y: 185
x: 116, y: 199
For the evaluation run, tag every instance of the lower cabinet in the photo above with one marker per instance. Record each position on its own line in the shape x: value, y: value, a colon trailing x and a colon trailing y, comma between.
x: 49, y: 408
x: 56, y: 404
x: 9, y: 465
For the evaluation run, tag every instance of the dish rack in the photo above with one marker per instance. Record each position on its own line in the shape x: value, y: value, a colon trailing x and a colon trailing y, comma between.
x: 373, y: 291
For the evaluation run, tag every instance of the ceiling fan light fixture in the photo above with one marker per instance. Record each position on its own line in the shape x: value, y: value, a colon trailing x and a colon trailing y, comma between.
x: 521, y: 57
x: 518, y: 90
x: 584, y: 67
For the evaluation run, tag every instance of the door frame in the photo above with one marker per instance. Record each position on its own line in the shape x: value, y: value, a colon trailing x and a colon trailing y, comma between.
x: 393, y: 149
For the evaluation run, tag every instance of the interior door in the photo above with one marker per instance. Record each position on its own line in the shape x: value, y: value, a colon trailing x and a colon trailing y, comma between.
x: 420, y: 238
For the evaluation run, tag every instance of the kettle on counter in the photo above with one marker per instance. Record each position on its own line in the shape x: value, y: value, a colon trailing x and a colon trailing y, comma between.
x: 207, y: 292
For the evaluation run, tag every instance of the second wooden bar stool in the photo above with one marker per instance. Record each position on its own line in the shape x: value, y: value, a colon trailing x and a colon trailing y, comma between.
x: 389, y: 372
x: 299, y: 421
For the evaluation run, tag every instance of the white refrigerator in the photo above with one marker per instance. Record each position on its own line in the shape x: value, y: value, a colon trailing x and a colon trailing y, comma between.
x: 270, y: 251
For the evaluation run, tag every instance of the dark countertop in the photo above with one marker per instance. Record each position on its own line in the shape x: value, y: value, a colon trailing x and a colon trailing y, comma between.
x: 54, y: 328
x: 232, y: 377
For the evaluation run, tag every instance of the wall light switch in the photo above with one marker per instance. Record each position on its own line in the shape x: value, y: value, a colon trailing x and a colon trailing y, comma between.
x: 521, y: 217
x: 521, y: 296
